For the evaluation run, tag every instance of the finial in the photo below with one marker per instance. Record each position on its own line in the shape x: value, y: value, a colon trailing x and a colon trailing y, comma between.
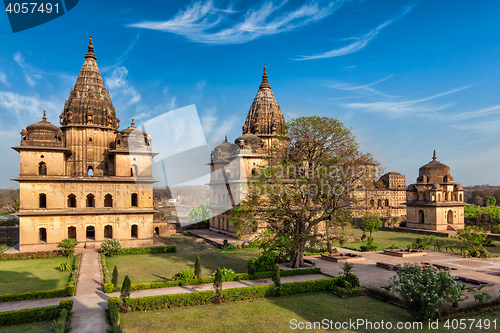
x: 265, y: 83
x: 225, y: 139
x: 90, y: 53
x: 132, y: 124
x: 434, y: 156
x: 44, y: 118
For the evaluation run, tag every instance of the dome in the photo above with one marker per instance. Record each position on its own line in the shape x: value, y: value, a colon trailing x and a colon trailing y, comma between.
x: 435, y: 171
x: 42, y: 133
x: 133, y: 137
x: 250, y: 139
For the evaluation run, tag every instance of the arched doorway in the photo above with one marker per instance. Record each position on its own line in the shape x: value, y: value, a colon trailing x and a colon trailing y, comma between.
x: 421, y: 218
x: 108, y: 232
x: 108, y: 200
x: 90, y: 200
x: 42, y: 169
x: 90, y: 232
x: 157, y: 231
x: 133, y: 200
x: 42, y: 235
x: 72, y: 200
x: 450, y: 217
x: 72, y: 232
x: 133, y: 231
x: 42, y: 201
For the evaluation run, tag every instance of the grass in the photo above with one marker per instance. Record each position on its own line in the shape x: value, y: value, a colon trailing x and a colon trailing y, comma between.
x: 19, y: 276
x: 40, y: 327
x: 159, y: 267
x: 385, y: 239
x: 4, y: 246
x: 275, y: 315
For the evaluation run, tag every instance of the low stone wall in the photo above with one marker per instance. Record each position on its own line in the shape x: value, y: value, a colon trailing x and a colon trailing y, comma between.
x: 9, y: 234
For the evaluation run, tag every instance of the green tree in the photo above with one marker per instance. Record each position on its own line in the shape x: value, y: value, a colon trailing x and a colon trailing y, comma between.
x: 197, y: 266
x: 336, y: 229
x: 311, y: 173
x: 67, y: 246
x: 251, y: 267
x: 277, y: 278
x: 126, y: 289
x: 370, y: 223
x: 114, y: 279
x: 217, y: 285
x: 199, y: 213
x: 490, y: 201
x: 475, y: 237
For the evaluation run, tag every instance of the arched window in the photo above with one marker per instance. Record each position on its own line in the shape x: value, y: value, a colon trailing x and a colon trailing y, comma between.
x: 157, y: 231
x: 421, y: 216
x: 372, y: 203
x: 90, y: 200
x: 42, y: 235
x: 439, y: 196
x: 90, y: 171
x: 133, y: 200
x: 387, y: 202
x: 42, y: 169
x: 42, y: 201
x: 455, y: 197
x: 450, y: 217
x: 108, y: 200
x: 72, y: 232
x: 460, y: 197
x: 379, y: 203
x: 72, y: 201
x: 133, y: 231
x: 90, y: 232
x: 108, y: 232
x: 433, y: 197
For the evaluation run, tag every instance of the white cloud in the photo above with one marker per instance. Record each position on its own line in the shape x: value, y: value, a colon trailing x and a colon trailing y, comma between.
x: 212, y: 127
x: 203, y: 22
x: 18, y: 58
x: 146, y: 113
x: 360, y: 42
x: 119, y: 85
x: 409, y: 107
x: 3, y: 79
x: 489, y: 127
x: 32, y: 79
x: 359, y: 88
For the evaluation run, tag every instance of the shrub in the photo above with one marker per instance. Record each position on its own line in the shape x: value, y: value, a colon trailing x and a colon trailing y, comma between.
x: 197, y: 266
x: 67, y: 246
x: 30, y: 255
x: 114, y: 279
x: 217, y: 283
x: 64, y: 267
x: 126, y: 289
x: 250, y: 267
x: 475, y: 237
x: 110, y: 247
x: 184, y: 275
x: 34, y: 314
x: 277, y: 278
x: 60, y: 323
x: 423, y: 289
x: 369, y: 246
x: 227, y: 274
x: 147, y: 249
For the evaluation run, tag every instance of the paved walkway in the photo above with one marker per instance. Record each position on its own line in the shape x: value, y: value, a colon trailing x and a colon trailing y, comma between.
x: 216, y: 238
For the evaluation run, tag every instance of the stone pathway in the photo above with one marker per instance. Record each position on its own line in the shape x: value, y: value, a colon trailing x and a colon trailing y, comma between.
x: 89, y: 310
x: 216, y: 238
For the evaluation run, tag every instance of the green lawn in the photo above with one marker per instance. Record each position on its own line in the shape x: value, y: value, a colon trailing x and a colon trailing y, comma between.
x: 385, y: 239
x: 41, y: 327
x: 18, y: 276
x: 275, y: 315
x: 155, y: 267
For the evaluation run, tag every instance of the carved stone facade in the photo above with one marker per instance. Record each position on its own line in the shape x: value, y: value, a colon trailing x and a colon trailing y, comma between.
x: 435, y: 202
x: 85, y: 180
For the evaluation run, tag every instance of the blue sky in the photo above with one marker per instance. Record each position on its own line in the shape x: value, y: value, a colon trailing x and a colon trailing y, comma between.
x: 407, y: 76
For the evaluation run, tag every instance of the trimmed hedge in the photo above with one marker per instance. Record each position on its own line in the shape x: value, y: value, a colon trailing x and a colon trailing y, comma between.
x: 31, y: 255
x: 25, y: 316
x: 105, y: 272
x: 69, y: 290
x: 227, y: 295
x: 110, y: 288
x: 147, y: 249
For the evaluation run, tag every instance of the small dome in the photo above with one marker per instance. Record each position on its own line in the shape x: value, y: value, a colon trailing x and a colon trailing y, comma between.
x: 43, y: 125
x: 133, y: 137
x: 250, y: 139
x: 435, y: 171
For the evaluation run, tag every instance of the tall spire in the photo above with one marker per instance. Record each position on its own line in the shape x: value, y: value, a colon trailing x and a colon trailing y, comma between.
x: 44, y: 118
x: 434, y: 158
x: 90, y: 53
x: 265, y: 83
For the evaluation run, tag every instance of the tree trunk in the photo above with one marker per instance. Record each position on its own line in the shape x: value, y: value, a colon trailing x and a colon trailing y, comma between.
x: 328, y: 242
x: 297, y: 258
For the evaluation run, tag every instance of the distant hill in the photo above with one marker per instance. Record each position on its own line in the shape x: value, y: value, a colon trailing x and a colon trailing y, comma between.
x: 476, y: 194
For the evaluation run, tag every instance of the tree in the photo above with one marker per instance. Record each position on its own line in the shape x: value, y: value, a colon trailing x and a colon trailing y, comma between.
x: 197, y: 266
x: 217, y: 285
x: 341, y: 221
x: 67, y: 246
x: 199, y: 213
x: 370, y: 223
x: 311, y: 173
x: 475, y: 237
x: 114, y: 279
x: 490, y: 201
x: 277, y: 278
x: 250, y: 267
x: 126, y: 289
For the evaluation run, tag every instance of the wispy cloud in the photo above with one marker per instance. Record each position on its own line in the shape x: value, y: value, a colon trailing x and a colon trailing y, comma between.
x: 143, y: 112
x: 204, y: 22
x: 359, y: 42
x: 474, y: 114
x: 365, y: 87
x: 25, y: 108
x: 119, y: 85
x: 214, y: 129
x: 3, y: 79
x: 408, y: 107
x: 489, y: 127
x: 18, y: 58
x: 32, y: 79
